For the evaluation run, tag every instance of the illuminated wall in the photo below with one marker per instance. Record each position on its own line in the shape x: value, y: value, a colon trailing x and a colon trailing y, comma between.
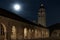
x: 21, y: 30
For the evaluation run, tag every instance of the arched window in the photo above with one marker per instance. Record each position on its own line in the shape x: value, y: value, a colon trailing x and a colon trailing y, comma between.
x: 25, y: 32
x: 30, y: 34
x: 36, y: 33
x: 13, y: 35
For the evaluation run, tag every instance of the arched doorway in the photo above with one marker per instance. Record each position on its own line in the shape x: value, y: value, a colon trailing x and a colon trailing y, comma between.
x: 2, y: 32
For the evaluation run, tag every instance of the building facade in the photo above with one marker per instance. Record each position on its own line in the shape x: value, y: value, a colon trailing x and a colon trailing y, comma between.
x: 55, y: 30
x: 15, y: 27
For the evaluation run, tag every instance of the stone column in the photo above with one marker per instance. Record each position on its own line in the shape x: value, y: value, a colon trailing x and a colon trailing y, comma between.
x: 8, y: 33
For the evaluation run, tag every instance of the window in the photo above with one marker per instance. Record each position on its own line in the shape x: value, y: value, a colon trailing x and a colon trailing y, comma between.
x: 25, y: 32
x: 36, y: 33
x: 13, y: 35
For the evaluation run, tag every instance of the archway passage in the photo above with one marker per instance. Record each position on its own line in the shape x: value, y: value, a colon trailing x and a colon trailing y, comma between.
x: 2, y: 32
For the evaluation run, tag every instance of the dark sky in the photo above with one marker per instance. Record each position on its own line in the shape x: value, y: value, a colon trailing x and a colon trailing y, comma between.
x: 30, y: 9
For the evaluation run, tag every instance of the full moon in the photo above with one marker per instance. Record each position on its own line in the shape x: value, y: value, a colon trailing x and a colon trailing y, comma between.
x: 16, y: 7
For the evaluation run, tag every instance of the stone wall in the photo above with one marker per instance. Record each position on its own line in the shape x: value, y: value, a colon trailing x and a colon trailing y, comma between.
x: 15, y: 29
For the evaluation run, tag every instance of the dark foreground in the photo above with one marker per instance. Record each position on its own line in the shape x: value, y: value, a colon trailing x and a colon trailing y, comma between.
x: 33, y: 39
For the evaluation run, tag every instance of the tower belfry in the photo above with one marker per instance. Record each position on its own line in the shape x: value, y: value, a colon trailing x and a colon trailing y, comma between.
x: 42, y: 15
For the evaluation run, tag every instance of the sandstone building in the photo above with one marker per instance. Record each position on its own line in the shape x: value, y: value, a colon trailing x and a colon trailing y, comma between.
x: 15, y: 27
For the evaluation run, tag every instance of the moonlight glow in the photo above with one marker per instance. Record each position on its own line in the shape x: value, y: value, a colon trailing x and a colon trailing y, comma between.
x: 16, y: 7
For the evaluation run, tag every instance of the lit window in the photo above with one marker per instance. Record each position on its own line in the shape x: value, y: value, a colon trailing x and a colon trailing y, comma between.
x: 13, y: 32
x: 36, y: 33
x: 13, y: 29
x: 29, y: 34
x: 25, y: 32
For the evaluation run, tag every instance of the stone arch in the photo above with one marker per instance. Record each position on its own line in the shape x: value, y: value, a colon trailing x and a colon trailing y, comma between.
x: 55, y: 33
x: 3, y: 30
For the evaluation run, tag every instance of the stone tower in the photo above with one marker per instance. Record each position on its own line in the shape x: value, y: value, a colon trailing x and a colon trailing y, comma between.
x: 42, y: 15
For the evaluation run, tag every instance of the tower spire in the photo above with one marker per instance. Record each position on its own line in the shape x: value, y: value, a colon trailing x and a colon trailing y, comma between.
x: 42, y: 15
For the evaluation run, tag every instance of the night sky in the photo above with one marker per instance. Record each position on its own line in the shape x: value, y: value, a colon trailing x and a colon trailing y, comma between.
x: 29, y: 9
